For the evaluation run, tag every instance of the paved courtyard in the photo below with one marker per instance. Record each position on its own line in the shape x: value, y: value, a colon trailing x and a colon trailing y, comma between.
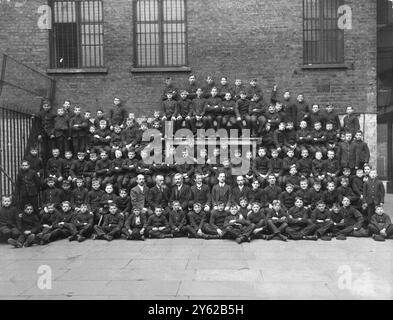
x: 198, y: 269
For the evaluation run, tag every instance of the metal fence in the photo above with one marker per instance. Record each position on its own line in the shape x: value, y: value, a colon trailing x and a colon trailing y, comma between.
x: 18, y: 132
x: 22, y: 89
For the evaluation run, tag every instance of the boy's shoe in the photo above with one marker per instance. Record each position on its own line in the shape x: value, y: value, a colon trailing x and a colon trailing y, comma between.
x: 15, y: 243
x: 270, y: 236
x: 94, y: 237
x: 378, y: 237
x: 30, y: 240
x: 81, y: 238
x: 211, y: 237
x: 314, y: 238
x: 341, y: 237
x: 170, y: 235
x: 246, y: 239
x: 72, y: 238
x: 108, y: 238
x: 239, y: 240
x: 282, y: 237
x: 142, y: 238
x: 326, y: 238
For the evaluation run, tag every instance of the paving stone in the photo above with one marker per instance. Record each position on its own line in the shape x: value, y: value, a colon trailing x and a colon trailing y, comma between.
x: 141, y: 288
x: 69, y: 288
x: 228, y: 275
x: 217, y: 288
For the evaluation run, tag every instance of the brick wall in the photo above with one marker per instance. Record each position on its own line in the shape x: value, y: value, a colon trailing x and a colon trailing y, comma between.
x: 243, y: 39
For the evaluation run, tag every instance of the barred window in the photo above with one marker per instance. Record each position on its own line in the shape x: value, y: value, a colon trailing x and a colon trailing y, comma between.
x: 323, y: 41
x: 77, y: 34
x: 160, y: 37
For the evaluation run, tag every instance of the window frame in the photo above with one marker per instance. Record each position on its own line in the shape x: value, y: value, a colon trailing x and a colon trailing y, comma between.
x: 80, y: 68
x: 137, y: 68
x: 321, y: 62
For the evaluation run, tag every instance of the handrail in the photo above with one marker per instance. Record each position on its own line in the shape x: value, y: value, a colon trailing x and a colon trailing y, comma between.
x: 9, y: 178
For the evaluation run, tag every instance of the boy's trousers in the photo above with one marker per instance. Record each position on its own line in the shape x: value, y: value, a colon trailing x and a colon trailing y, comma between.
x: 7, y: 232
x: 323, y: 227
x: 114, y: 231
x: 276, y: 226
x: 299, y: 229
x: 135, y: 235
x: 233, y: 232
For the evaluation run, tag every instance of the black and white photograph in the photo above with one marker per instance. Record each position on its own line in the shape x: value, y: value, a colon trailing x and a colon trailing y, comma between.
x: 208, y: 152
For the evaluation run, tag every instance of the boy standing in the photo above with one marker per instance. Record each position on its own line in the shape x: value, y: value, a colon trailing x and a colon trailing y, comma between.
x: 373, y: 194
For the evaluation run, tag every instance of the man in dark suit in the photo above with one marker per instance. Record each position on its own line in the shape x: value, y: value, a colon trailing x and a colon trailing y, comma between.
x: 221, y: 192
x: 240, y: 191
x: 139, y: 195
x: 159, y: 195
x: 200, y: 193
x: 181, y: 192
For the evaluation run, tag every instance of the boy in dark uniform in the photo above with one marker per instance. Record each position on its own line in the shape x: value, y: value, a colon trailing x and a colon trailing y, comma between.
x: 54, y: 165
x: 78, y: 125
x: 236, y: 227
x: 28, y: 226
x: 51, y: 194
x: 215, y: 227
x: 228, y: 111
x: 321, y: 218
x: 8, y: 219
x: 212, y: 109
x: 373, y: 193
x: 299, y: 223
x: 117, y: 114
x: 157, y: 225
x: 277, y: 221
x: 61, y: 130
x: 197, y: 218
x: 27, y: 186
x: 112, y: 225
x: 134, y: 225
x: 257, y: 218
x: 380, y: 226
x: 353, y: 221
x: 83, y: 222
x: 242, y: 107
x: 177, y: 220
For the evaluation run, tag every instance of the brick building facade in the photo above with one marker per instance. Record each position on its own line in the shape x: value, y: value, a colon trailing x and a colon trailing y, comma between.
x: 237, y: 39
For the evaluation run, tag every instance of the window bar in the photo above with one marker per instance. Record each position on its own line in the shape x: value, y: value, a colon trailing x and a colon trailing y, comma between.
x: 184, y: 10
x: 161, y: 32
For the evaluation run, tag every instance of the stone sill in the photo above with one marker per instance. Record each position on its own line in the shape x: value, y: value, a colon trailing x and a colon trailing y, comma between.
x: 325, y: 66
x: 158, y: 70
x: 77, y: 70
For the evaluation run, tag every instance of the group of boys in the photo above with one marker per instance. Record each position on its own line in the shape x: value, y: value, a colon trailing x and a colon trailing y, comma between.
x: 302, y: 184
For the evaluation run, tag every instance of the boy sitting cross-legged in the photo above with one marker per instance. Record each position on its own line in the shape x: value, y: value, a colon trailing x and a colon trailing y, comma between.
x: 112, y: 225
x: 257, y: 218
x: 83, y: 223
x: 237, y: 227
x: 28, y: 225
x: 380, y: 226
x: 177, y: 220
x: 299, y: 223
x: 157, y: 225
x: 134, y: 225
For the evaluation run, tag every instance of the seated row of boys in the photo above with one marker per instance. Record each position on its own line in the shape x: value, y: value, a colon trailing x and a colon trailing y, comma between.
x: 369, y: 194
x: 237, y: 222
